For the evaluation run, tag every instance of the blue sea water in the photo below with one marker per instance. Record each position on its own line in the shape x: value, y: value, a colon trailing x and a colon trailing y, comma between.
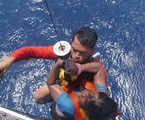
x: 120, y: 25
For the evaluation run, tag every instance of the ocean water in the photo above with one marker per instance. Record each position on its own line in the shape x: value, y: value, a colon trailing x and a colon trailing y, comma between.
x: 120, y: 25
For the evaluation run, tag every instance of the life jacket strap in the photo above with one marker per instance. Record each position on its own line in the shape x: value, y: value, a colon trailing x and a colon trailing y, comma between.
x: 83, y: 113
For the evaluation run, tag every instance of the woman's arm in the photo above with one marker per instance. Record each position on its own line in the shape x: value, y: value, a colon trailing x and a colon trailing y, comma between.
x: 92, y: 67
x: 100, y: 78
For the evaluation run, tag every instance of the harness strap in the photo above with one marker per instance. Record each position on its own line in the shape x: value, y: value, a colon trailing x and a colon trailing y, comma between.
x: 89, y: 85
x: 77, y: 114
x: 65, y: 81
x: 83, y: 113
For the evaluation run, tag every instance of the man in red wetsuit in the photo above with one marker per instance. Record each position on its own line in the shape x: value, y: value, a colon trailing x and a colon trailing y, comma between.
x: 82, y: 47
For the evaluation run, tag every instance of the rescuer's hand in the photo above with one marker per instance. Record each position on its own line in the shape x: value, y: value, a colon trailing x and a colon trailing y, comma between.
x: 4, y: 65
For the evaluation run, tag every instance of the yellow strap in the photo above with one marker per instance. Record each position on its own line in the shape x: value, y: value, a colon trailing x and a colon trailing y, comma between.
x: 61, y: 74
x: 64, y: 83
x: 73, y: 77
x: 84, y: 115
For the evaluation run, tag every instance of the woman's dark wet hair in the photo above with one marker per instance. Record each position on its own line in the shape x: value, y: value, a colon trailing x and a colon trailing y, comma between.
x: 99, y: 106
x: 86, y: 36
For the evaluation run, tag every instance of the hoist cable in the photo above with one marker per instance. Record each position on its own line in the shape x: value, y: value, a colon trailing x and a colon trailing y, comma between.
x: 61, y: 46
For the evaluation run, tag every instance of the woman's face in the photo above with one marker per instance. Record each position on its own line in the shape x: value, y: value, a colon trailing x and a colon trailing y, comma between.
x: 79, y: 52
